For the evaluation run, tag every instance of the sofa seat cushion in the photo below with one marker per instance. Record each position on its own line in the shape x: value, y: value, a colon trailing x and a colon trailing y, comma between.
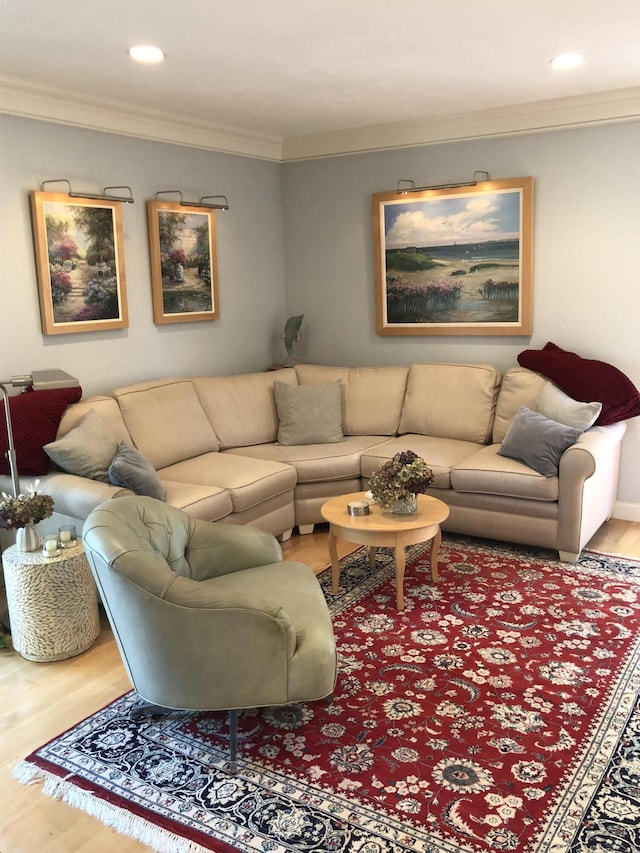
x: 248, y: 481
x: 487, y: 472
x: 210, y: 503
x: 440, y: 454
x: 316, y: 463
x: 451, y: 401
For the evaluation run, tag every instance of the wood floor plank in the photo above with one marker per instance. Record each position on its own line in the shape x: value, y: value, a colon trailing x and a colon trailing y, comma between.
x: 41, y: 700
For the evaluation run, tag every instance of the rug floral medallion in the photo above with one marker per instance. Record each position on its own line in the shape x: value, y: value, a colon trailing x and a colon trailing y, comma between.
x: 497, y: 712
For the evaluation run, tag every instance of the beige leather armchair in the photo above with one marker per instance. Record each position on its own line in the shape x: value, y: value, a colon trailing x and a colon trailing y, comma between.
x: 208, y: 616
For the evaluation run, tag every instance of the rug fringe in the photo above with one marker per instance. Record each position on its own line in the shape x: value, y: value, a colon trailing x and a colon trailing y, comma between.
x: 158, y: 839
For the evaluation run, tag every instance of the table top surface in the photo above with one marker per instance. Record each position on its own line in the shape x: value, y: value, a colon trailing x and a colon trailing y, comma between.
x: 430, y: 511
x: 30, y: 558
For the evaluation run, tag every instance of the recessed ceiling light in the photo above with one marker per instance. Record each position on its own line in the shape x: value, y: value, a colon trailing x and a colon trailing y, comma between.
x: 566, y: 61
x: 146, y: 53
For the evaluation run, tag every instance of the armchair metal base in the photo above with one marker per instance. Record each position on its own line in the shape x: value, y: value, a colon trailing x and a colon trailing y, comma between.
x: 148, y: 710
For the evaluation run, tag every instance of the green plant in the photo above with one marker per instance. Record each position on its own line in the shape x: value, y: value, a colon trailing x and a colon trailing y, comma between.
x: 398, y: 478
x: 291, y: 334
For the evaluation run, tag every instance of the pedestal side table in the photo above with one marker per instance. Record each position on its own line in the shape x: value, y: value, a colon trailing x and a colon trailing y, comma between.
x: 53, y: 603
x: 382, y: 528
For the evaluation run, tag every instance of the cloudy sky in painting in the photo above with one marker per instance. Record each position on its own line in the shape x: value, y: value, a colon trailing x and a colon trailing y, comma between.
x: 465, y: 218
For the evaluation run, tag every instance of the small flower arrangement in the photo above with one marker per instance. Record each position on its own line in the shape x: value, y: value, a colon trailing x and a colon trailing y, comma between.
x: 398, y: 478
x: 29, y: 506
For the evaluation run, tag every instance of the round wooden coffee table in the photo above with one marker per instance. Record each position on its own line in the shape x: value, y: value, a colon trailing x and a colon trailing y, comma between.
x: 382, y: 528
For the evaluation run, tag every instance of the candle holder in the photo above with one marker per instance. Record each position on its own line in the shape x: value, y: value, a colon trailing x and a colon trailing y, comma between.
x: 67, y: 536
x: 50, y: 545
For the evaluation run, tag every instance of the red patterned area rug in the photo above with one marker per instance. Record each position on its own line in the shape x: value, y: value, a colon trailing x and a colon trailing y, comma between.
x: 498, y: 712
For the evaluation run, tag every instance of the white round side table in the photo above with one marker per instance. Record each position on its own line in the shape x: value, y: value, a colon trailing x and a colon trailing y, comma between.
x: 53, y: 603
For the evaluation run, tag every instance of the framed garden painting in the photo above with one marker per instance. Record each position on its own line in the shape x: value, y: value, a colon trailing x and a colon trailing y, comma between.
x: 455, y: 261
x: 184, y: 273
x: 79, y: 263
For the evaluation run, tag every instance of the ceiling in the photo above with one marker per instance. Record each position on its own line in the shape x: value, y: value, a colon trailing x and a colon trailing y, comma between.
x: 319, y: 76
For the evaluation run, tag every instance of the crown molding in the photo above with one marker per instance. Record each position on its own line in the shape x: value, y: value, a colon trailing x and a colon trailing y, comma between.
x: 559, y: 114
x: 49, y: 105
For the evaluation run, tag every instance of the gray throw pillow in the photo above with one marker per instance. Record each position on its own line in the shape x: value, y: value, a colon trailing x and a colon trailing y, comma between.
x: 131, y: 470
x: 309, y: 414
x: 538, y: 441
x: 555, y: 404
x: 86, y: 450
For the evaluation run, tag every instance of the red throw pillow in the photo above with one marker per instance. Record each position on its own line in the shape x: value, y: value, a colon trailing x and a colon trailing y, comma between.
x: 586, y: 380
x: 35, y: 417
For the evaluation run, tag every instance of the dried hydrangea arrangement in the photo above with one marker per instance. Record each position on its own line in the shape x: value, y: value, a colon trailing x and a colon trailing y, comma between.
x: 28, y: 506
x: 405, y: 475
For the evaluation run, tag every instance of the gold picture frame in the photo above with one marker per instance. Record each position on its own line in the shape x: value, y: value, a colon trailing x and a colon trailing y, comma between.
x: 455, y: 261
x: 184, y: 266
x: 79, y: 263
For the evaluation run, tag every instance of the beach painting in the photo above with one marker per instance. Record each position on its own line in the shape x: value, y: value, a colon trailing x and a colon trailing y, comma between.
x: 80, y: 263
x: 455, y: 261
x: 184, y: 277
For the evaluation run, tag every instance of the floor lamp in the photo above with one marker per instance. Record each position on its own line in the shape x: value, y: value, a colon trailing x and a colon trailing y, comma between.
x: 39, y: 380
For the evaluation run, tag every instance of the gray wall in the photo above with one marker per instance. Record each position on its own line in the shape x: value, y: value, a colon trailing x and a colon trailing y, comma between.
x: 251, y: 289
x: 586, y: 253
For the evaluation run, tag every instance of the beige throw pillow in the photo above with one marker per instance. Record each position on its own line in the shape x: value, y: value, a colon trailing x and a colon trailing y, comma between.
x: 86, y: 450
x: 309, y: 414
x: 555, y: 404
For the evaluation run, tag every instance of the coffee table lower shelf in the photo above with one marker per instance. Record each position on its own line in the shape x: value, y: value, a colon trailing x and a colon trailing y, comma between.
x: 382, y: 529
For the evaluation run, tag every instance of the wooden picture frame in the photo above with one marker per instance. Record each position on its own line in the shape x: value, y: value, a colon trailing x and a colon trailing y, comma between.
x: 79, y: 263
x: 455, y: 261
x: 184, y: 267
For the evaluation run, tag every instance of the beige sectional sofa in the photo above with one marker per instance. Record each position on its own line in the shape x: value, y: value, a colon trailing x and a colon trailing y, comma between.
x: 214, y: 443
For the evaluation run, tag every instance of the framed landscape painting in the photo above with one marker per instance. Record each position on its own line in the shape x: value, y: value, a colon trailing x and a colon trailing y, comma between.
x: 184, y: 272
x: 455, y: 261
x: 79, y: 263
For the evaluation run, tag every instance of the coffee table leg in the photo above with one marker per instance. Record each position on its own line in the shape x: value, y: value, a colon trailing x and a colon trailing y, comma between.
x: 372, y: 557
x: 435, y: 550
x: 335, y: 562
x: 400, y: 566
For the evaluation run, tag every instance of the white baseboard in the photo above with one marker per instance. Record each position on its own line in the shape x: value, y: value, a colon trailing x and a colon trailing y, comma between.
x: 627, y: 511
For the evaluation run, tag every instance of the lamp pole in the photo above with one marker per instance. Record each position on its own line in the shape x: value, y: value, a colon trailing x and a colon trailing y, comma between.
x: 11, y: 452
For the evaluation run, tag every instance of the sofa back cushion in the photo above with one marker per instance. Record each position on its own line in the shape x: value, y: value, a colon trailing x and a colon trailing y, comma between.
x: 451, y: 401
x: 242, y: 408
x: 372, y: 396
x: 166, y: 421
x: 520, y: 387
x: 105, y: 407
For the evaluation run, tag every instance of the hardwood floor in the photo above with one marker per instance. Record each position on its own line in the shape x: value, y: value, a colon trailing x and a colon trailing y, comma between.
x: 40, y: 700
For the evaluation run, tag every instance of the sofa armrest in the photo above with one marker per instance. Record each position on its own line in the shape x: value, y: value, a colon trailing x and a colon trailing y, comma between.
x: 78, y: 496
x: 588, y: 485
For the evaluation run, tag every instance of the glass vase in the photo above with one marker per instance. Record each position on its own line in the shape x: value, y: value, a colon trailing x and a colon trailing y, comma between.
x: 405, y: 505
x: 27, y: 537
